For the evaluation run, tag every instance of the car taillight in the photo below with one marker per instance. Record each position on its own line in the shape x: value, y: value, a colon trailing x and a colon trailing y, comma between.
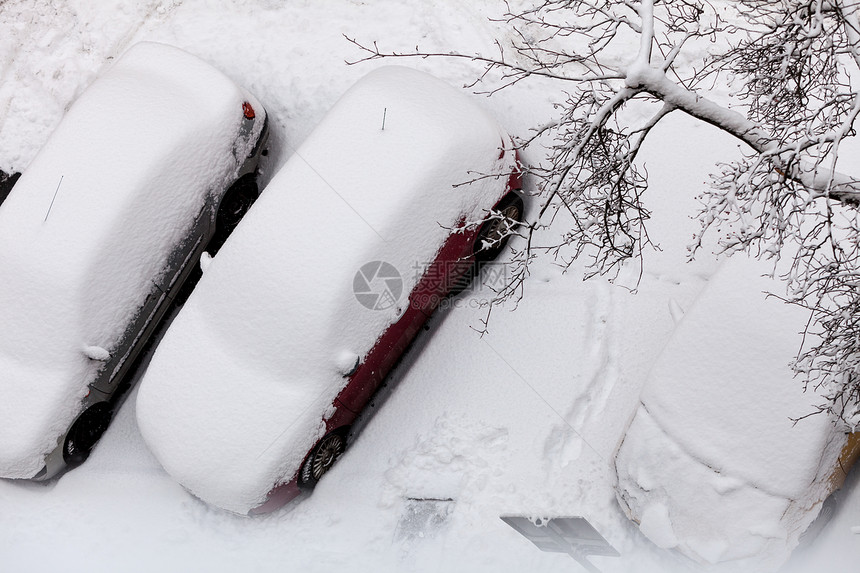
x: 248, y: 111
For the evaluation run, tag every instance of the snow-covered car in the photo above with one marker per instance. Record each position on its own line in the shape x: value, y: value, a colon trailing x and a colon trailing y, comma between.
x: 153, y: 160
x: 713, y: 464
x: 404, y: 186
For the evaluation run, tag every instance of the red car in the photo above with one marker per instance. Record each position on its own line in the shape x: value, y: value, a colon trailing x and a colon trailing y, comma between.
x: 389, y: 205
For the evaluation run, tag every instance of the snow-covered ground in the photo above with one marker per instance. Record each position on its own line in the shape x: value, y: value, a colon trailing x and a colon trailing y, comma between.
x: 523, y: 421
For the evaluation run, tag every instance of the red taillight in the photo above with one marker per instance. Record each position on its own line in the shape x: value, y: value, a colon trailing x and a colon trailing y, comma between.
x: 248, y: 111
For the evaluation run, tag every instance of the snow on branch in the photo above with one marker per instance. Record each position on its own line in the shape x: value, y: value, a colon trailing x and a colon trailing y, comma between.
x: 793, y: 66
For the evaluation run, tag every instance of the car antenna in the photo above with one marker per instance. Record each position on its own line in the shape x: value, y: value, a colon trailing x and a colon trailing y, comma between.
x: 51, y: 206
x: 384, y: 111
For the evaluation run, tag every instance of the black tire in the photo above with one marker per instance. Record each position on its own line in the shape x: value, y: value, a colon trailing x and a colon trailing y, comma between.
x: 86, y: 432
x: 497, y: 230
x: 236, y: 202
x: 322, y: 458
x: 512, y: 207
x: 6, y: 183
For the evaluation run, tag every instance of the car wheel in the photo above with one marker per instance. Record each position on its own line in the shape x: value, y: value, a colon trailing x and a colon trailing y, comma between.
x: 85, y: 433
x: 496, y: 232
x: 6, y: 183
x: 322, y: 458
x: 236, y: 202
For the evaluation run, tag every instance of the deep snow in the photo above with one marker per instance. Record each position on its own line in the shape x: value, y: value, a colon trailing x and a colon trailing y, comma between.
x: 522, y: 421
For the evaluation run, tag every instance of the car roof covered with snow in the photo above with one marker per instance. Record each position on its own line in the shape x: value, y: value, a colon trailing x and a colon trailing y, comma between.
x: 91, y: 223
x: 721, y: 471
x: 235, y: 395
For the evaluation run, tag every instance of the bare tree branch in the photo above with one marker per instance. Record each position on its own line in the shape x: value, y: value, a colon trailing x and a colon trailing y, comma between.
x: 793, y: 66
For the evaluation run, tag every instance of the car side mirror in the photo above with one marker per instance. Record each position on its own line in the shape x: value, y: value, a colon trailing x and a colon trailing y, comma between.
x: 348, y: 363
x: 96, y: 353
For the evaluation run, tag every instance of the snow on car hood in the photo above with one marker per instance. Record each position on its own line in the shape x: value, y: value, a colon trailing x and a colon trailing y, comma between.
x: 712, y: 463
x: 90, y: 224
x: 236, y: 393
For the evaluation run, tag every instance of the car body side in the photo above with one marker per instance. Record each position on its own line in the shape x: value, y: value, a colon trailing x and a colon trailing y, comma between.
x: 454, y: 262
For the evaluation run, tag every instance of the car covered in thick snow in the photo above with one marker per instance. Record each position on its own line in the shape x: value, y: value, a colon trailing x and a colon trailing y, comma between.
x: 401, y: 190
x: 105, y: 225
x: 713, y: 464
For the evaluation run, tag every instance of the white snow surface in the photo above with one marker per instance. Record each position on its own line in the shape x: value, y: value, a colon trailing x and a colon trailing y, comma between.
x: 523, y: 421
x: 237, y: 391
x: 90, y: 225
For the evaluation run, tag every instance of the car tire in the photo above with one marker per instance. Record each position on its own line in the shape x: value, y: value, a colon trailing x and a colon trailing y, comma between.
x: 7, y: 181
x: 322, y: 458
x: 86, y: 432
x: 512, y: 207
x: 497, y: 230
x: 236, y: 202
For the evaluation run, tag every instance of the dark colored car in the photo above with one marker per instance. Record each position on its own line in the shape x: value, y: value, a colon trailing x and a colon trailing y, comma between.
x: 100, y: 234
